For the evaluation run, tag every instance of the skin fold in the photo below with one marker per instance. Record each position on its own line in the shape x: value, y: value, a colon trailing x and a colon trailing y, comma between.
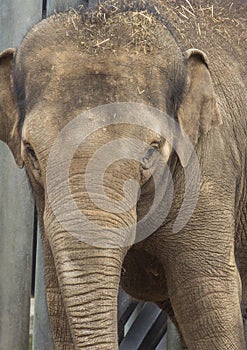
x: 140, y: 52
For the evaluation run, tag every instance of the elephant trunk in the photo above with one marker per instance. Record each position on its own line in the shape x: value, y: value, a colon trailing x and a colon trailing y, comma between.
x: 89, y: 279
x: 89, y: 244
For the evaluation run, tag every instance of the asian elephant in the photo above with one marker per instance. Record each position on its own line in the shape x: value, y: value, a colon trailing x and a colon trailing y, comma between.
x: 108, y: 64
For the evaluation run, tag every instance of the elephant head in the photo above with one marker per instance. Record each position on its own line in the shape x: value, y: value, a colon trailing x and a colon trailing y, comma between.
x: 66, y: 67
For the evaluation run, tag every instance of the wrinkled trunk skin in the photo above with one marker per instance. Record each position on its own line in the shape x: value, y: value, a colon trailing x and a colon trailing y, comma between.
x: 88, y: 276
x: 57, y: 314
x: 89, y: 279
x: 58, y: 318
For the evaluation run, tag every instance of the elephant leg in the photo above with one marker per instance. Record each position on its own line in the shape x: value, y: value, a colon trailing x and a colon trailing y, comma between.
x: 58, y: 318
x: 208, y: 313
x: 205, y: 295
x: 202, y: 276
x: 243, y: 274
x: 241, y: 258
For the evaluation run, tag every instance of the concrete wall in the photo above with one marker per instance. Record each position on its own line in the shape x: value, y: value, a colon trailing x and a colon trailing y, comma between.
x: 16, y: 209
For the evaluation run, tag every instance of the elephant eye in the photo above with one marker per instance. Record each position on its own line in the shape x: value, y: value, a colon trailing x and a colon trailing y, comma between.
x: 32, y: 158
x: 30, y: 152
x: 151, y: 155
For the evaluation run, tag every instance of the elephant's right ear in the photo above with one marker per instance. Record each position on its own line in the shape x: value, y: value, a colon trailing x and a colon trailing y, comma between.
x: 8, y: 109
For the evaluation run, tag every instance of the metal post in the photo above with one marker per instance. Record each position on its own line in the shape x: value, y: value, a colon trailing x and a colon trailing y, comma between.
x: 16, y: 208
x: 173, y: 338
x: 16, y: 231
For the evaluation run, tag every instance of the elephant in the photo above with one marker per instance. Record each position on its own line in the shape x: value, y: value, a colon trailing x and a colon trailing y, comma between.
x: 157, y: 91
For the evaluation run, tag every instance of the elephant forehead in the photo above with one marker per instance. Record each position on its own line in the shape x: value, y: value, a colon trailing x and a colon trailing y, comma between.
x: 66, y: 67
x: 94, y: 126
x: 71, y: 65
x: 73, y: 84
x: 124, y: 58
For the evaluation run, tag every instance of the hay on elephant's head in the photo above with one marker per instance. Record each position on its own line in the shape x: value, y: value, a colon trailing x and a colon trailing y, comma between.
x: 116, y: 29
x: 138, y: 26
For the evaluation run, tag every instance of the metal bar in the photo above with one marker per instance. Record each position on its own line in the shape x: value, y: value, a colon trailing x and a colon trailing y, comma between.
x: 142, y: 325
x: 126, y: 306
x: 173, y: 338
x: 162, y: 344
x: 155, y: 333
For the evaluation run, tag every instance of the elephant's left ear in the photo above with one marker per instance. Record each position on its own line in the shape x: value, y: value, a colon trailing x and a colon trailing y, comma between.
x: 198, y: 112
x: 8, y: 110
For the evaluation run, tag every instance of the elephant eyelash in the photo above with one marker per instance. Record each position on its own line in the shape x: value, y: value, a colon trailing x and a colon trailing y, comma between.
x: 155, y: 144
x: 32, y: 158
x: 30, y: 151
